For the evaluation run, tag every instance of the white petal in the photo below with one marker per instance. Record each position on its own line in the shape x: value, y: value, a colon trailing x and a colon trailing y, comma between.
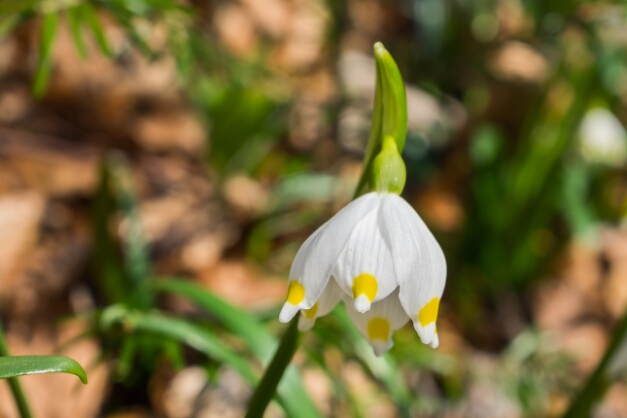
x: 422, y: 285
x: 314, y: 261
x: 328, y: 299
x: 378, y: 324
x: 365, y: 267
x: 398, y: 236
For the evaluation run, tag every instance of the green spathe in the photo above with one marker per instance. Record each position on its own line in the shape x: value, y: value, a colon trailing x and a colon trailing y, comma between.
x: 388, y: 168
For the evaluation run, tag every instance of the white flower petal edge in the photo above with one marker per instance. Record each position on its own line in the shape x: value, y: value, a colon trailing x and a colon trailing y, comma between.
x: 330, y: 297
x: 422, y: 284
x: 314, y: 261
x: 365, y: 267
x: 378, y: 324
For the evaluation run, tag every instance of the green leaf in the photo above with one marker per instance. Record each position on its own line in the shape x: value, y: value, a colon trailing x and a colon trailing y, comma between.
x: 121, y: 278
x: 375, y: 139
x: 16, y: 389
x: 74, y: 22
x: 180, y: 330
x: 261, y: 343
x: 111, y: 275
x: 389, y: 116
x: 394, y: 121
x: 91, y: 17
x: 136, y: 262
x: 44, y: 65
x: 25, y: 365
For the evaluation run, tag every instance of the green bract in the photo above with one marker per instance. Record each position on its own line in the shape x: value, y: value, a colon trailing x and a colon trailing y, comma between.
x: 388, y: 169
x: 389, y: 117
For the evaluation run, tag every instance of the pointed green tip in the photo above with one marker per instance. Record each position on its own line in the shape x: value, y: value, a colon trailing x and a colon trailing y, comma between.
x: 379, y: 49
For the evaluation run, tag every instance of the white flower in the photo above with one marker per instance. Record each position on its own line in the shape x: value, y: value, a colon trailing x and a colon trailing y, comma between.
x: 380, y: 258
x: 602, y: 138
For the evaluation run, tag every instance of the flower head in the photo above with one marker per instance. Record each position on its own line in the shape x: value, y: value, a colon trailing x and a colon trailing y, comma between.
x: 602, y: 138
x: 378, y: 256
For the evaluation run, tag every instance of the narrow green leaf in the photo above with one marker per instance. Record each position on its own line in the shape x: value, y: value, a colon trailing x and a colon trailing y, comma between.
x: 91, y: 17
x: 600, y: 379
x: 74, y: 22
x: 261, y: 343
x: 136, y: 260
x: 375, y: 138
x: 389, y: 116
x: 394, y: 99
x: 25, y: 365
x: 180, y: 330
x: 44, y: 65
x: 111, y: 275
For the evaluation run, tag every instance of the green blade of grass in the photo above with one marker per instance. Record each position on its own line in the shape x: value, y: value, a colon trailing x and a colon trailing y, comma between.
x: 261, y: 343
x: 74, y: 23
x: 180, y: 330
x: 110, y: 266
x: 91, y: 17
x: 44, y: 64
x: 26, y: 365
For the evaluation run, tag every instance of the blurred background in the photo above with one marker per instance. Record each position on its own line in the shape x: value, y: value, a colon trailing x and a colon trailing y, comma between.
x: 205, y: 140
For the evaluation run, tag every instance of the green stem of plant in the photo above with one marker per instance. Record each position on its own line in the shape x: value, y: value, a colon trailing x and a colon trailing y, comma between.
x: 16, y: 388
x: 599, y: 380
x: 267, y: 386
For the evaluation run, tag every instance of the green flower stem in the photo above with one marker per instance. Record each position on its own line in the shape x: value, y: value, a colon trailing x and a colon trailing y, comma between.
x: 599, y: 381
x: 16, y: 388
x: 267, y: 386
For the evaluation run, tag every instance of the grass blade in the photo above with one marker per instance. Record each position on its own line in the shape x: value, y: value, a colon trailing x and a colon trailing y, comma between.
x: 26, y: 365
x: 91, y: 17
x: 44, y: 65
x: 182, y: 331
x: 262, y: 344
x: 74, y: 22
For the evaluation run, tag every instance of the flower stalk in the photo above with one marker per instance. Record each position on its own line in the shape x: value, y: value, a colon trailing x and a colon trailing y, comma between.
x: 268, y: 384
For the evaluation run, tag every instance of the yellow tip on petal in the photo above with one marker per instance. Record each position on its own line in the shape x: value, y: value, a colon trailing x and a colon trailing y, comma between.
x: 365, y: 284
x: 429, y: 312
x: 295, y: 293
x: 311, y: 312
x: 379, y: 329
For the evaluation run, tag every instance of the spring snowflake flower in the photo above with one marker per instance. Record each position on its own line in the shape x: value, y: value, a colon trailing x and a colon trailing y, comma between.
x: 602, y: 138
x: 378, y: 256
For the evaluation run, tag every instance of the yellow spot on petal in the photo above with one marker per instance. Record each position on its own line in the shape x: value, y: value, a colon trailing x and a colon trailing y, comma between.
x: 295, y: 293
x: 311, y: 312
x: 365, y: 284
x: 429, y: 312
x: 379, y: 329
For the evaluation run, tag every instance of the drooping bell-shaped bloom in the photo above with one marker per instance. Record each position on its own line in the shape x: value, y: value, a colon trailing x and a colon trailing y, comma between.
x: 378, y: 256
